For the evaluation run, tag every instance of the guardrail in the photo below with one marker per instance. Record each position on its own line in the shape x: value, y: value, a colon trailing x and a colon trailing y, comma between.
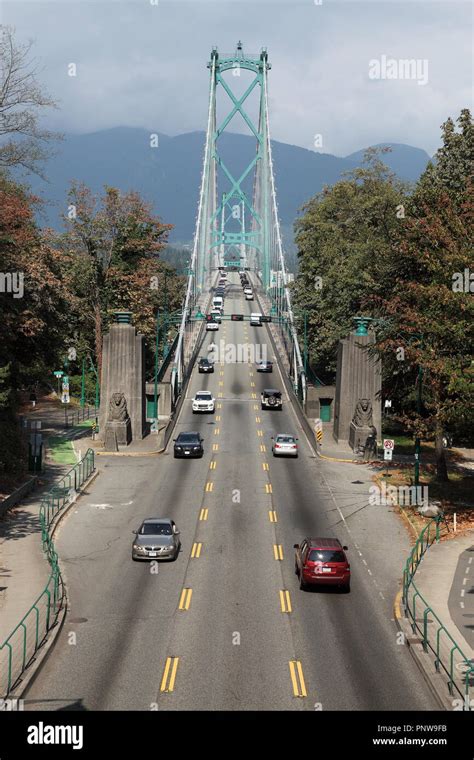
x: 449, y: 657
x: 18, y: 650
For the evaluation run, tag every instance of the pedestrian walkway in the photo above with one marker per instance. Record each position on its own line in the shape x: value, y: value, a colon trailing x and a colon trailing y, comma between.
x: 445, y: 579
x: 24, y: 570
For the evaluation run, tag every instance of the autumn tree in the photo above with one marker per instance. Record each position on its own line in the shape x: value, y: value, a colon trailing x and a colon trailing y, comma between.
x: 112, y: 246
x: 33, y: 307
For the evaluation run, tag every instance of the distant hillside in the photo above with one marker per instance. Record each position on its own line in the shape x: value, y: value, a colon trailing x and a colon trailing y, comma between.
x: 170, y: 174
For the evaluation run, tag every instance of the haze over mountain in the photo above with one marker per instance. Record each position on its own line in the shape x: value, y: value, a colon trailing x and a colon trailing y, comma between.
x: 169, y: 175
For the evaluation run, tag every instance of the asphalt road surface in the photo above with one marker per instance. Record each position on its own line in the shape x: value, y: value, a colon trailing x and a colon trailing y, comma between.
x: 246, y: 637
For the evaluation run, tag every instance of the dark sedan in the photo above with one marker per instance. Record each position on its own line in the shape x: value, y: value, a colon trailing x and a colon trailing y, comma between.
x: 188, y: 445
x: 205, y: 365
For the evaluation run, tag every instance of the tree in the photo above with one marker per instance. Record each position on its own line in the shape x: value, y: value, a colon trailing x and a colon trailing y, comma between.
x: 428, y: 315
x: 344, y: 239
x: 34, y: 305
x: 111, y: 245
x: 23, y: 142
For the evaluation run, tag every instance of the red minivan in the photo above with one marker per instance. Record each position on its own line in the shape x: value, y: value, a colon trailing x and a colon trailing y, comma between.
x: 322, y: 561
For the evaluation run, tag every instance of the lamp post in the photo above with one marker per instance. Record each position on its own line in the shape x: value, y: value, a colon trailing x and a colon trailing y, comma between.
x: 157, y: 348
x: 417, y: 439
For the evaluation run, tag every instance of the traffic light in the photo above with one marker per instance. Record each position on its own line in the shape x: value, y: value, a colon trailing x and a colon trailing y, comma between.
x: 237, y: 317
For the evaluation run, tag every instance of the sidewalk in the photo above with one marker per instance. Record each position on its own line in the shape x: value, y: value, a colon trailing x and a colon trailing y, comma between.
x: 442, y: 594
x: 444, y: 573
x: 24, y: 569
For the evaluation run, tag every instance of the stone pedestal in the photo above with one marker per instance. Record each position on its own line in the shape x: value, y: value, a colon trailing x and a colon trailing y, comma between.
x: 123, y: 371
x: 358, y: 436
x: 121, y: 430
x: 358, y: 377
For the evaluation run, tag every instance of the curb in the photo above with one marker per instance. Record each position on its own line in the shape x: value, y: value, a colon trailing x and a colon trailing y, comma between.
x: 434, y: 680
x: 39, y: 658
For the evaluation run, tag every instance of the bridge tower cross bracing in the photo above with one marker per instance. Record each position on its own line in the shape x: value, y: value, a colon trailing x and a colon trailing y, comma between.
x: 236, y: 228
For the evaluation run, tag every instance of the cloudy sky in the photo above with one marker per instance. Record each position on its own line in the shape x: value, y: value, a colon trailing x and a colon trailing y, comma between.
x: 143, y: 63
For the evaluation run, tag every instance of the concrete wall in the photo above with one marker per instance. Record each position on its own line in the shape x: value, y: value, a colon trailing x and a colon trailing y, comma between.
x: 357, y: 377
x: 123, y: 363
x: 314, y: 394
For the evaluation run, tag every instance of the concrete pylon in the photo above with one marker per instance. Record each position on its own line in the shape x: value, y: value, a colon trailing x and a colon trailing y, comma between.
x: 358, y: 377
x: 123, y: 372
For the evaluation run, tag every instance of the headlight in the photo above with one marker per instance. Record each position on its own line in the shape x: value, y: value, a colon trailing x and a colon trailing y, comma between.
x: 178, y: 448
x: 196, y: 448
x: 137, y: 548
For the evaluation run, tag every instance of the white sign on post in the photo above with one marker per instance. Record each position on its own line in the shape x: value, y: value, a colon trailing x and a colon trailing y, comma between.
x: 388, y: 446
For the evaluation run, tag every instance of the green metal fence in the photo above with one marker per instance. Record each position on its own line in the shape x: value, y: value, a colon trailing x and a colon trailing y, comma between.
x: 19, y: 648
x: 450, y: 660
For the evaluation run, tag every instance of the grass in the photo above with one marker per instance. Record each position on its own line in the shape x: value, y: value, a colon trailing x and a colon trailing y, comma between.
x: 61, y: 450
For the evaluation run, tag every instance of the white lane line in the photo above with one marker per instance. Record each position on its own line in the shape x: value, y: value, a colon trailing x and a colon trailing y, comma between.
x: 469, y: 560
x: 462, y: 605
x: 467, y: 569
x: 464, y: 581
x: 463, y: 592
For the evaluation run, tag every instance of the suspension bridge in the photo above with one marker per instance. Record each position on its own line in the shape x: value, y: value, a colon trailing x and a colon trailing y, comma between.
x: 237, y: 224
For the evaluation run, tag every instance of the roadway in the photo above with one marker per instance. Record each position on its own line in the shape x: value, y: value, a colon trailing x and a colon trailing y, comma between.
x: 247, y: 638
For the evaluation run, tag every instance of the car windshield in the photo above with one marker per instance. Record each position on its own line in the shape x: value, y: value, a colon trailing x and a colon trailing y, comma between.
x: 203, y: 361
x: 326, y: 555
x: 204, y: 395
x: 187, y: 438
x: 285, y: 439
x: 272, y: 393
x: 156, y: 529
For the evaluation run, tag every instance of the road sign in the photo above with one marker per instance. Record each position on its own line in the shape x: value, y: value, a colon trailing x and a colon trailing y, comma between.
x: 58, y: 373
x: 389, y: 443
x: 387, y: 454
x: 65, y: 397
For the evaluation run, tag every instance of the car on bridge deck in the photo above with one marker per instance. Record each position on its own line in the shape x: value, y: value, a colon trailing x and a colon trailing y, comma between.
x: 322, y: 561
x: 264, y: 366
x: 211, y: 326
x: 204, y: 365
x: 284, y: 445
x: 156, y: 538
x: 270, y: 398
x: 188, y: 445
x: 203, y: 401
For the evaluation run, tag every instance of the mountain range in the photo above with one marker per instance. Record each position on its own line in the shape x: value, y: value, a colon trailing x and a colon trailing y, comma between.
x: 169, y: 175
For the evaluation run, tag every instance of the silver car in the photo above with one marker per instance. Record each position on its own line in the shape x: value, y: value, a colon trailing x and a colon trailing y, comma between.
x: 284, y: 445
x: 156, y: 538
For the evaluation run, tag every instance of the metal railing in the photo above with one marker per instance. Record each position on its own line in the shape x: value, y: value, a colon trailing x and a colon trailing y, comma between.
x: 75, y: 416
x: 450, y: 660
x: 18, y: 650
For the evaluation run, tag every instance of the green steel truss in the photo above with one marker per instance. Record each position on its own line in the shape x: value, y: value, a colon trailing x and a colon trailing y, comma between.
x: 236, y: 228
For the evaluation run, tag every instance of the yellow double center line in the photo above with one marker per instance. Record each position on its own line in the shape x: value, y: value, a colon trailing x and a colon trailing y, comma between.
x: 169, y: 675
x: 297, y: 679
x: 185, y: 599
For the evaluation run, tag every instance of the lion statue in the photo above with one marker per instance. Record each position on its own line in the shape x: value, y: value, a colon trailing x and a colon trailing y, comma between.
x: 118, y: 408
x: 363, y: 413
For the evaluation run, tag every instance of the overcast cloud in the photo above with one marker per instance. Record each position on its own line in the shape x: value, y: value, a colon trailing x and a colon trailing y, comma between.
x: 144, y: 65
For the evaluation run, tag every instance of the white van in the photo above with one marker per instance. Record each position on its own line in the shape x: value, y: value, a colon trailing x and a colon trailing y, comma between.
x: 217, y: 302
x: 256, y: 319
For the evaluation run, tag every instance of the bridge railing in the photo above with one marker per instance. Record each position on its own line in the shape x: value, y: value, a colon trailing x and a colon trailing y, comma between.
x: 450, y: 659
